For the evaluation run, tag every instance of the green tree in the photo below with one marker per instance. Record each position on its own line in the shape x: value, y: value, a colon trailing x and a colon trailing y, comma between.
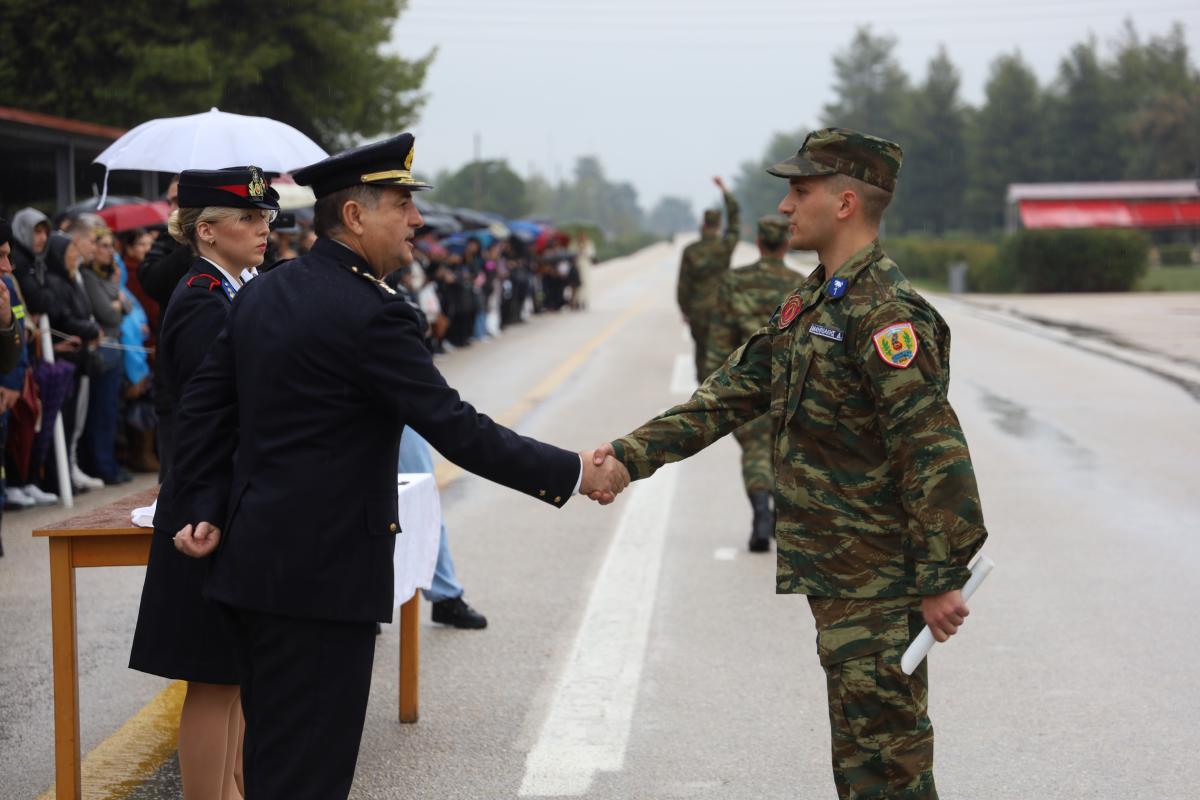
x: 488, y: 185
x: 314, y: 65
x: 1082, y: 139
x: 592, y: 197
x: 870, y: 86
x: 671, y: 215
x: 1158, y: 89
x: 1005, y: 142
x: 757, y: 192
x: 933, y: 178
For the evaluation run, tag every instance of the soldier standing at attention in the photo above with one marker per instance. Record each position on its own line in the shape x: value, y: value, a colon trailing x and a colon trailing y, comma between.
x: 746, y: 296
x: 878, y: 509
x: 703, y: 264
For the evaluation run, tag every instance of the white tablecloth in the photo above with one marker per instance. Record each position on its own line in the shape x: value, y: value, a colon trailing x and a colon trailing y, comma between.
x: 420, y: 528
x: 416, y: 545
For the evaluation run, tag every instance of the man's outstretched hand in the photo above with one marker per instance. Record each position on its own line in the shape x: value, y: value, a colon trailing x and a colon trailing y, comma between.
x: 944, y: 613
x: 720, y: 184
x: 604, y: 477
x: 198, y: 541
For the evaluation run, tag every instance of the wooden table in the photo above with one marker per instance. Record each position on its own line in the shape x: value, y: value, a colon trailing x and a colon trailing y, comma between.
x: 105, y: 537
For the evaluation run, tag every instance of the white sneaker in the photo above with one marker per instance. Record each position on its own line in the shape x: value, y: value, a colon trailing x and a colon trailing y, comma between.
x: 13, y: 496
x: 81, y: 479
x: 40, y: 497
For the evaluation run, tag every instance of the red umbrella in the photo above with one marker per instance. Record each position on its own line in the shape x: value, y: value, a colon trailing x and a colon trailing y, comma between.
x: 135, y: 215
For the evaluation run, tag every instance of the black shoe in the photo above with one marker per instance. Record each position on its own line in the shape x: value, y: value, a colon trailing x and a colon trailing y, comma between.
x: 457, y: 613
x: 763, y: 526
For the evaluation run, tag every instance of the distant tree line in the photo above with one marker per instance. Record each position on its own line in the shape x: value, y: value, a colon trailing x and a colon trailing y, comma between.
x: 1130, y: 111
x: 588, y: 197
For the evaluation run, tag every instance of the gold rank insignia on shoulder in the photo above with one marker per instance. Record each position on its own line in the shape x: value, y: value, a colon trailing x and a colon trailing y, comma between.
x: 370, y: 277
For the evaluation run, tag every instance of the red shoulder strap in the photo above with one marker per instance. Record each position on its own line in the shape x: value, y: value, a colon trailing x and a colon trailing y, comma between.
x: 212, y: 282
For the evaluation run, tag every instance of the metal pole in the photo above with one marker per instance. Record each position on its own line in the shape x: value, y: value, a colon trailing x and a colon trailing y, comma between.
x: 60, y: 437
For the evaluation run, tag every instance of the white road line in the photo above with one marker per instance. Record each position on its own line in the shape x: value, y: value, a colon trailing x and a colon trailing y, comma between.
x: 587, y: 728
x: 725, y: 553
x: 683, y: 375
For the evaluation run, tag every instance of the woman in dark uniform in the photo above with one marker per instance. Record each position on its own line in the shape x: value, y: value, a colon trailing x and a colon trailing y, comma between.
x: 223, y: 216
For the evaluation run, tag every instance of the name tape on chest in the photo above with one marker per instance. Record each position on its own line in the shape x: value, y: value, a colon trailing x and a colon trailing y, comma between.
x: 897, y: 344
x: 826, y: 332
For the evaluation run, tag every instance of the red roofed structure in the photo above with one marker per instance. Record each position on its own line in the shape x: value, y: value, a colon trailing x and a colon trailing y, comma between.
x: 1147, y: 205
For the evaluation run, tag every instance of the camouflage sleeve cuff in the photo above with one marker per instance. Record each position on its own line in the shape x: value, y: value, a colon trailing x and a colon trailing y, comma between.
x: 626, y: 452
x: 940, y: 577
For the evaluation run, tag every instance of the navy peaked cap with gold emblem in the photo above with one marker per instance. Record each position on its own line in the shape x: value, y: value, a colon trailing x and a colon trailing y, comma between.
x: 235, y: 187
x: 386, y: 163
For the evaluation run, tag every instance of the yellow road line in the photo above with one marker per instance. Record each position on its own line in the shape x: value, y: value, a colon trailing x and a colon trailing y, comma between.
x: 123, y: 761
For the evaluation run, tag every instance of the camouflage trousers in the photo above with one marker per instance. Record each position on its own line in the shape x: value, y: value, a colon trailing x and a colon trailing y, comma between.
x: 700, y: 337
x: 880, y: 730
x: 757, y: 439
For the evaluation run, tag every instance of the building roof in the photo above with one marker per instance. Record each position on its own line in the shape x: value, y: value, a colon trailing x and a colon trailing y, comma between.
x: 62, y: 124
x: 1105, y: 190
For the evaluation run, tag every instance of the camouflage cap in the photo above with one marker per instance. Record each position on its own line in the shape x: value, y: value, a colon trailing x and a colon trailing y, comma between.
x: 831, y: 151
x: 772, y: 230
x: 712, y: 217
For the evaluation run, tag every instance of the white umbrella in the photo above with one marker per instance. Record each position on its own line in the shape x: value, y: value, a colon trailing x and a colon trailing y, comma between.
x: 212, y: 140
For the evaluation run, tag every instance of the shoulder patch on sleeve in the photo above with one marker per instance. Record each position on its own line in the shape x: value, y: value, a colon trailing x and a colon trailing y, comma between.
x: 790, y: 310
x: 896, y: 344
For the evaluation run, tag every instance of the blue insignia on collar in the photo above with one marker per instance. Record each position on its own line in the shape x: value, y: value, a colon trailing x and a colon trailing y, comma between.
x: 836, y: 288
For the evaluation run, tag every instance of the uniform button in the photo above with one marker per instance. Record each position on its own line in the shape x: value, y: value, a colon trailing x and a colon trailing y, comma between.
x: 393, y: 527
x: 542, y: 493
x: 558, y: 499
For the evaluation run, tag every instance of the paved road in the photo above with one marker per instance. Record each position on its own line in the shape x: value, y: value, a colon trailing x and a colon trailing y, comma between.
x: 638, y: 651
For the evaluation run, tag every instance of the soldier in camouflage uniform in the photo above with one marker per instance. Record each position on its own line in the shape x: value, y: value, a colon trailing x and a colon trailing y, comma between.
x: 703, y: 264
x: 746, y: 297
x: 878, y: 509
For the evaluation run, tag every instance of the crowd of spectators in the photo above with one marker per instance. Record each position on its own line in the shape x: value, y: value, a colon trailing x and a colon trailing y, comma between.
x: 473, y: 287
x: 102, y: 294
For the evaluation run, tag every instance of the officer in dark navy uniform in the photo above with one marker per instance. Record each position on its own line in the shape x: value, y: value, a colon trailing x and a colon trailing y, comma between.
x: 223, y: 220
x: 319, y: 368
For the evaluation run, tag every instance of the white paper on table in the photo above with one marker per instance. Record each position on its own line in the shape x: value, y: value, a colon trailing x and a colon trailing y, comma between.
x: 420, y: 514
x: 144, y: 517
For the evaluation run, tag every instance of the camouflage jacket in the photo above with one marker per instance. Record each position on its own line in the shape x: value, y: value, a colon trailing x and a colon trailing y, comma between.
x: 875, y: 491
x: 703, y: 264
x: 746, y: 296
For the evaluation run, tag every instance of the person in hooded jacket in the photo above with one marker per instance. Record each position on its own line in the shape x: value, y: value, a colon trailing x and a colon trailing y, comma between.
x: 70, y: 312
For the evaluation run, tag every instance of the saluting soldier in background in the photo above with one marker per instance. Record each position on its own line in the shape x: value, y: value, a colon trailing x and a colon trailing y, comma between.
x: 703, y: 264
x: 878, y: 509
x: 286, y: 452
x: 746, y: 298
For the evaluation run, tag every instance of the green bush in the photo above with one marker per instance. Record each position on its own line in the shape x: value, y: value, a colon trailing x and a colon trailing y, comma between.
x: 1175, y: 255
x: 623, y: 245
x: 926, y: 258
x: 1075, y: 260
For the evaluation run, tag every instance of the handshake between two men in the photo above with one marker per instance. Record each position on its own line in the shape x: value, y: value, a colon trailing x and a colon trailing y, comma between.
x: 602, y: 479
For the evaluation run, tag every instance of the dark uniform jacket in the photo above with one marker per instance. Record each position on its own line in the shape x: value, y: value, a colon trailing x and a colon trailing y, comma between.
x: 317, y: 372
x: 194, y: 316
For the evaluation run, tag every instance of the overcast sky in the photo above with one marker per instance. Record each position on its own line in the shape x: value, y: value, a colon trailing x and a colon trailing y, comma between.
x: 670, y: 92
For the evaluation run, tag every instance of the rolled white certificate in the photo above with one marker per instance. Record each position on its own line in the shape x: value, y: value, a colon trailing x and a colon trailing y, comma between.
x: 919, y: 648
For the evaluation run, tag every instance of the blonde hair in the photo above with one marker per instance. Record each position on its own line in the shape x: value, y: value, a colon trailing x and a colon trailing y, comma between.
x: 183, y: 221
